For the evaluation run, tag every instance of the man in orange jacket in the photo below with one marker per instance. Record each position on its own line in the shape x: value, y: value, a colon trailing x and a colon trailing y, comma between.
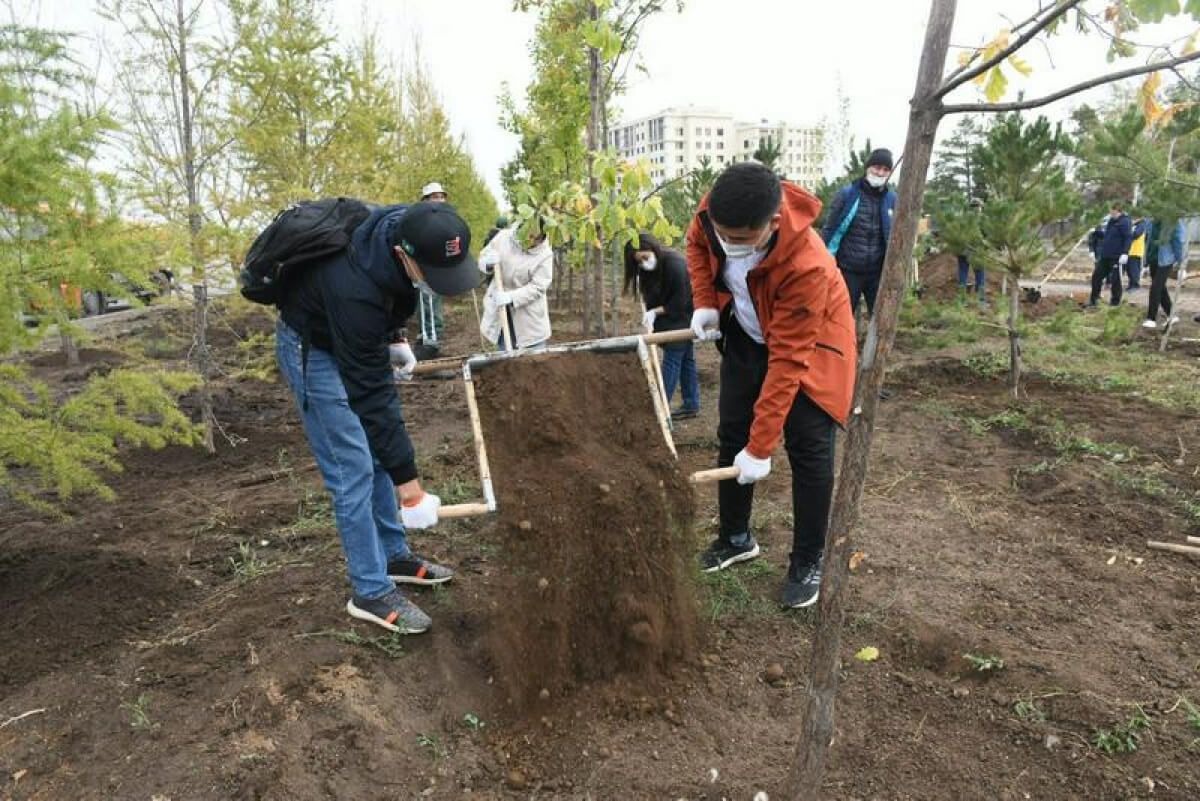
x: 762, y: 275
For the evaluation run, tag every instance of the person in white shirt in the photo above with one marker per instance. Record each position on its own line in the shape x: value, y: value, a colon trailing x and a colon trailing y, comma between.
x: 523, y: 260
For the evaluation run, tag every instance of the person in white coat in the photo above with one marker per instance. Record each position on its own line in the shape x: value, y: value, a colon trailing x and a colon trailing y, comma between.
x: 524, y: 262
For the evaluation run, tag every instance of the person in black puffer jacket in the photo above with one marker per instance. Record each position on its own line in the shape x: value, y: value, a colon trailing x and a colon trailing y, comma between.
x: 660, y: 275
x: 858, y: 226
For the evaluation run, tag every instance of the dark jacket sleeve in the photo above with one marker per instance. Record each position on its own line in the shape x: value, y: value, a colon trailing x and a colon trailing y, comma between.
x: 1126, y: 232
x: 834, y: 217
x: 358, y: 330
x: 676, y: 297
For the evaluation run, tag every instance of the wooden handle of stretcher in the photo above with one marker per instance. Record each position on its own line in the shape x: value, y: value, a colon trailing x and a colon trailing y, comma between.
x: 462, y: 510
x: 716, y: 474
x: 669, y: 337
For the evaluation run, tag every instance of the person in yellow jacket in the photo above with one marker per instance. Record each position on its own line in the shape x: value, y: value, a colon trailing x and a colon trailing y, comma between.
x: 1137, y: 251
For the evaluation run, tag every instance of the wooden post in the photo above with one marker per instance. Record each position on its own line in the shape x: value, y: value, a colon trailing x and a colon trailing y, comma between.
x: 804, y: 778
x: 1187, y: 550
x: 664, y: 420
x: 485, y: 471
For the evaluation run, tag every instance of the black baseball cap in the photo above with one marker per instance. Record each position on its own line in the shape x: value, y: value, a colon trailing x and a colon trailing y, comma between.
x: 440, y: 242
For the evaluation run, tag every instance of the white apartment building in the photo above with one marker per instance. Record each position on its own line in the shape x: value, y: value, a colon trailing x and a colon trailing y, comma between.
x: 674, y: 141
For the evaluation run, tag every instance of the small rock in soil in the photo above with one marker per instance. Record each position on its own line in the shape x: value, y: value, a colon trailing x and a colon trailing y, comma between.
x: 544, y: 694
x: 516, y: 780
x: 961, y: 692
x: 1052, y: 741
x: 525, y: 525
x: 773, y: 673
x: 605, y: 488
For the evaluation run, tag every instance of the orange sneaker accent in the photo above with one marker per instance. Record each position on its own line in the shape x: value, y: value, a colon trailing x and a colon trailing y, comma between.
x: 421, y: 571
x: 391, y: 618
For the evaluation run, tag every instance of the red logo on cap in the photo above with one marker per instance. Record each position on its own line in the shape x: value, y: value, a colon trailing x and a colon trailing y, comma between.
x: 454, y: 247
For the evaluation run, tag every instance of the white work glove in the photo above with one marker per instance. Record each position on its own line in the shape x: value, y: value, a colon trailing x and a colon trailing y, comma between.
x: 648, y: 320
x: 488, y: 262
x: 702, y: 319
x: 423, y: 514
x: 403, y: 360
x: 503, y: 298
x: 752, y: 468
x: 1123, y: 260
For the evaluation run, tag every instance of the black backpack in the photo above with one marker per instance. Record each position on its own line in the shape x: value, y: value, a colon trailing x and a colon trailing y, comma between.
x: 298, y: 237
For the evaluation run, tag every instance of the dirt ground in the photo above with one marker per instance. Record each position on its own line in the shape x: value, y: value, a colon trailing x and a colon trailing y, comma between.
x: 189, y: 641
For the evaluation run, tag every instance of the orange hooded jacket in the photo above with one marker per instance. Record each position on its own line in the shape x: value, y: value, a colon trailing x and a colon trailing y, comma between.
x: 802, y: 306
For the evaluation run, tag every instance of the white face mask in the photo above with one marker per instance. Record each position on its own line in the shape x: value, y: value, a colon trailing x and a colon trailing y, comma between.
x: 733, y: 251
x: 877, y: 181
x: 649, y: 263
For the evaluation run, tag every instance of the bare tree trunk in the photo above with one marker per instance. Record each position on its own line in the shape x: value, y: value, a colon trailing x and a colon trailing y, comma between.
x: 595, y: 255
x: 69, y: 349
x: 200, y: 351
x: 1014, y: 337
x: 804, y: 778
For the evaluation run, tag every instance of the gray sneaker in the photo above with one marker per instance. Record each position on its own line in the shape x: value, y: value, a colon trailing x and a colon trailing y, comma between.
x: 393, y: 611
x: 412, y: 569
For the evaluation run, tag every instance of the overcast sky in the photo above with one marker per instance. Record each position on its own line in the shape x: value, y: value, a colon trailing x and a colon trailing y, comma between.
x: 780, y: 59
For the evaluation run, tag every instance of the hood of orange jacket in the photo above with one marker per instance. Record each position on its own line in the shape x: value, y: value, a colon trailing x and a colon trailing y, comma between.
x: 803, y: 307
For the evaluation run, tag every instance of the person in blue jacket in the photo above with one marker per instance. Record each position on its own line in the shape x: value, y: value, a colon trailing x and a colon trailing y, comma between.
x: 1163, y: 251
x: 1114, y: 253
x: 857, y: 228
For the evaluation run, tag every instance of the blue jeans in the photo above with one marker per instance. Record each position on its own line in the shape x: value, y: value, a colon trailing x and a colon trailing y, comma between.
x: 679, y: 367
x: 980, y: 275
x: 364, y: 500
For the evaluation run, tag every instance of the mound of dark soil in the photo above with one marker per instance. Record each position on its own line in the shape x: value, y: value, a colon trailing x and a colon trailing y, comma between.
x: 594, y: 519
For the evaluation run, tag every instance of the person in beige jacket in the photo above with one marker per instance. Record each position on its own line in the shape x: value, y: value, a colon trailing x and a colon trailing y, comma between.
x: 526, y: 267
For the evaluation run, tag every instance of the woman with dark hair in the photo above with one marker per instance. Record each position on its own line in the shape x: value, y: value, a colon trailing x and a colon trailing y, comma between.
x: 660, y: 276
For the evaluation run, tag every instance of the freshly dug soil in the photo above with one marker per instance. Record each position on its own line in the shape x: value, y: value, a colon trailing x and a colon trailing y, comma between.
x: 595, y: 521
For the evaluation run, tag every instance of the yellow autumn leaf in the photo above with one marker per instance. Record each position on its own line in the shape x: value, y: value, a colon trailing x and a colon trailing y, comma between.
x: 997, y: 85
x: 868, y: 654
x: 856, y: 559
x: 1020, y: 65
x: 1148, y: 94
x: 964, y: 58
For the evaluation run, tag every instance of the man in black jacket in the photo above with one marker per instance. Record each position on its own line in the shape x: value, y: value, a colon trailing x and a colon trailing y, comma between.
x: 332, y: 344
x: 858, y: 226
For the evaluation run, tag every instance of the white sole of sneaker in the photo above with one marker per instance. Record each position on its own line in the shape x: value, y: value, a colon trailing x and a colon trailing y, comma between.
x: 733, y: 560
x: 420, y: 582
x: 804, y: 605
x: 363, y: 614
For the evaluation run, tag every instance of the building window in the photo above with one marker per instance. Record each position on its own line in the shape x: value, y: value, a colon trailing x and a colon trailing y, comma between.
x: 679, y: 159
x: 720, y: 145
x: 720, y: 132
x: 679, y: 132
x: 720, y: 159
x: 708, y: 131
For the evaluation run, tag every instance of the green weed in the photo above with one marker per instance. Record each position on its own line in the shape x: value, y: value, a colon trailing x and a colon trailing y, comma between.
x: 985, y: 664
x: 730, y: 594
x: 433, y: 745
x: 139, y: 715
x: 472, y: 722
x: 1124, y: 737
x: 390, y: 645
x: 246, y: 566
x: 1029, y: 711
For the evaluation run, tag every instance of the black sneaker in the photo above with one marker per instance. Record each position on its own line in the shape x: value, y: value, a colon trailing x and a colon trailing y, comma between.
x: 684, y: 414
x: 393, y: 611
x: 802, y: 586
x: 415, y: 570
x: 722, y: 554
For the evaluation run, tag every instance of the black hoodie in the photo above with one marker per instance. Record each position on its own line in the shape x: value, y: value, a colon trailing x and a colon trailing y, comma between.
x: 349, y: 306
